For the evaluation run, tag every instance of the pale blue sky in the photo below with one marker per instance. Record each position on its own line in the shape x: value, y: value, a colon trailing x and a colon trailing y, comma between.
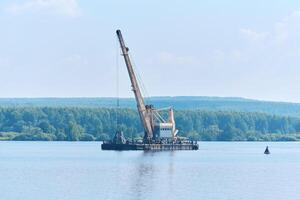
x: 67, y: 48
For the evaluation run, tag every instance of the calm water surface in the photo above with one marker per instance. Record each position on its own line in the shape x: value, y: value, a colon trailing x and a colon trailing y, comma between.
x: 80, y: 170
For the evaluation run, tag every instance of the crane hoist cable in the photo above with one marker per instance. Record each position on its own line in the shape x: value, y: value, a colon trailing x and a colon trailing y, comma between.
x: 117, y: 83
x: 139, y: 76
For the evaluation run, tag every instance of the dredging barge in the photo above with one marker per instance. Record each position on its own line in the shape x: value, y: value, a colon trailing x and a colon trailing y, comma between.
x: 159, y: 131
x: 149, y: 147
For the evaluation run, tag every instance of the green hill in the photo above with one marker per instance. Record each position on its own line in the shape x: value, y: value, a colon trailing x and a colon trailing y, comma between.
x: 201, y: 118
x: 181, y: 103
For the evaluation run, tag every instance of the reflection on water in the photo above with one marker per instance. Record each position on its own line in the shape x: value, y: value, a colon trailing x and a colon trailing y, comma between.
x: 80, y: 170
x: 147, y: 174
x: 141, y: 180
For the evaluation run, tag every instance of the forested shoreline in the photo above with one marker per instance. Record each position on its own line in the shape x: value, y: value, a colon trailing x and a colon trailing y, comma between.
x: 89, y: 124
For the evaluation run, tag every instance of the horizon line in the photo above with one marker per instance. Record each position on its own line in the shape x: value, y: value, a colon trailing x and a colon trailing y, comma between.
x: 169, y: 96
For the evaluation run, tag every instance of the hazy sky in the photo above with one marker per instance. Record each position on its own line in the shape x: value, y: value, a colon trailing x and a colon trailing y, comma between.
x: 66, y: 48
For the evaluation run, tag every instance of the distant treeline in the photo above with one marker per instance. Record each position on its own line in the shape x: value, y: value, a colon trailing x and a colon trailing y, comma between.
x: 73, y: 124
x: 179, y: 103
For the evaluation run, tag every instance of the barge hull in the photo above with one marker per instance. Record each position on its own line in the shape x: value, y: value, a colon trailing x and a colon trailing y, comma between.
x: 149, y: 147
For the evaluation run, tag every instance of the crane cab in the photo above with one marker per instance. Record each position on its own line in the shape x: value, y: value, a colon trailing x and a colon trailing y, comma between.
x: 163, y: 130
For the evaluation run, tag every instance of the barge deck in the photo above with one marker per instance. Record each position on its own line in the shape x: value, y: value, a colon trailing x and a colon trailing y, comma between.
x: 149, y: 147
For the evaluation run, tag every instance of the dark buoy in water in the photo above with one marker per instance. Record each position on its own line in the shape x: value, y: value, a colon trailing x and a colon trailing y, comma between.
x: 267, y: 150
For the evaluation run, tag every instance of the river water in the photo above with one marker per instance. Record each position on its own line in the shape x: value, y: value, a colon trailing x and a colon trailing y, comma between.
x: 81, y: 171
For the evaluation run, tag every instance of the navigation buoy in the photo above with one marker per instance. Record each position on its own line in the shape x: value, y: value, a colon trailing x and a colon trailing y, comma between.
x: 267, y: 150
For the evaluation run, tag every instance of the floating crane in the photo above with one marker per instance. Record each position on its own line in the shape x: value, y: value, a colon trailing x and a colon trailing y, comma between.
x: 154, y: 124
x: 159, y: 133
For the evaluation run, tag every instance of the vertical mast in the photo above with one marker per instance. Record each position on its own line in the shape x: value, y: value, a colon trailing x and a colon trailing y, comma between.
x: 145, y: 117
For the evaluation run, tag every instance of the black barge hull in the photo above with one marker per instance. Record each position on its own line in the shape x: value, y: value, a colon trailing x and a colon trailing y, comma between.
x: 149, y: 147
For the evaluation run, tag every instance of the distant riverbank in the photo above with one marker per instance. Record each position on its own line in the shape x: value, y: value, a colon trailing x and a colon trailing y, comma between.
x: 12, y: 136
x: 99, y: 124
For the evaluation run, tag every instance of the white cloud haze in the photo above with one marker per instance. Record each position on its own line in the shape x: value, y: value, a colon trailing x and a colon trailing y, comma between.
x: 253, y: 35
x: 64, y: 7
x: 206, y: 48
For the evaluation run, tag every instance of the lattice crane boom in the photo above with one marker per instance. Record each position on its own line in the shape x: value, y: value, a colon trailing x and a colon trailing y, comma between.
x: 144, y: 111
